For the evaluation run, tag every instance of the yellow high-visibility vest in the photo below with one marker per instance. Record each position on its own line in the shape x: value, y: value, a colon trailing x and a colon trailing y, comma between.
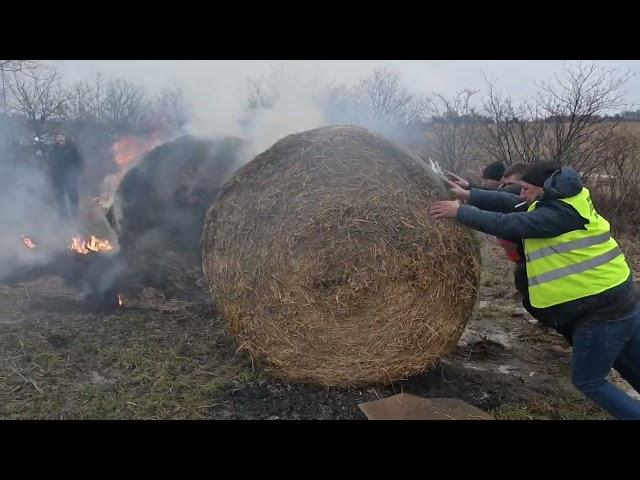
x: 576, y: 264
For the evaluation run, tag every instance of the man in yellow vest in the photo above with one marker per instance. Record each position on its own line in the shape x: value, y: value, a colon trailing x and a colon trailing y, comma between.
x: 577, y: 279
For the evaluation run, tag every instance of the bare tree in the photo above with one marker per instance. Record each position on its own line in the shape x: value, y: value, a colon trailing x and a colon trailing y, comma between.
x: 39, y: 97
x: 340, y: 104
x: 119, y: 107
x: 616, y: 187
x: 84, y: 104
x: 387, y: 100
x: 126, y: 107
x: 7, y: 67
x: 453, y: 130
x: 88, y: 100
x: 25, y: 66
x: 170, y: 110
x: 514, y: 132
x: 262, y: 92
x: 375, y: 101
x: 575, y: 104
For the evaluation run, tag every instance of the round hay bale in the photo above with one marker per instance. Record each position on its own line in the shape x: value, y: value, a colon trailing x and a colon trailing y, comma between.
x: 160, y: 206
x: 322, y: 257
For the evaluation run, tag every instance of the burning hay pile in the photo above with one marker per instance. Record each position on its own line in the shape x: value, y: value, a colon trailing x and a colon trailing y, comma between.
x: 322, y: 257
x: 87, y: 264
x: 160, y: 207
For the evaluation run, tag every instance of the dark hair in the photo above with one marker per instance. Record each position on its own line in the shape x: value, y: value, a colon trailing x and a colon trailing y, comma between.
x: 537, y: 173
x: 515, y: 169
x: 493, y: 171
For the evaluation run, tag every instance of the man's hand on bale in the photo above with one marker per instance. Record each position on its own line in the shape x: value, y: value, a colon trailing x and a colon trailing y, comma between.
x: 459, y: 192
x: 457, y: 180
x: 445, y: 209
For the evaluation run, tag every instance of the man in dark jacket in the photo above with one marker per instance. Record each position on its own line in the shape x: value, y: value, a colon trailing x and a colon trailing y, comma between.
x: 577, y: 279
x: 510, y: 182
x: 492, y: 177
x: 492, y: 174
x: 65, y: 169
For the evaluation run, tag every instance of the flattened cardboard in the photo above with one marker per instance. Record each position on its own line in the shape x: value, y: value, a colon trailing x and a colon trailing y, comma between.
x: 405, y: 406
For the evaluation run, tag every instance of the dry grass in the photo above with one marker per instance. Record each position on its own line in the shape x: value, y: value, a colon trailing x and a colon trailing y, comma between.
x: 323, y: 258
x: 561, y: 407
x: 163, y: 361
x: 631, y: 248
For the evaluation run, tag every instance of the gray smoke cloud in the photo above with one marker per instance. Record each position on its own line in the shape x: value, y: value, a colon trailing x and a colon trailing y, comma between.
x: 217, y: 94
x: 27, y: 208
x: 298, y: 98
x: 218, y: 98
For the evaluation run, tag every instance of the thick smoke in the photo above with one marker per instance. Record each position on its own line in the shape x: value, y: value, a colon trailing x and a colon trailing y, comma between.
x: 30, y: 214
x: 27, y: 208
x: 285, y: 100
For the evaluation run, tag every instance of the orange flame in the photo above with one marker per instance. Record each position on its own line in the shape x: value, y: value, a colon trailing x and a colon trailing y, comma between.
x: 93, y: 244
x: 27, y: 242
x: 129, y: 149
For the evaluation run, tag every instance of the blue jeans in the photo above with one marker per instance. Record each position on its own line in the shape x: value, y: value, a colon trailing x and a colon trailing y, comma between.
x: 598, y: 346
x: 65, y: 189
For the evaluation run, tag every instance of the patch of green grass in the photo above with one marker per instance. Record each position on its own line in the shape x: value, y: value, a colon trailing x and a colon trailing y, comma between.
x: 248, y: 376
x: 551, y: 408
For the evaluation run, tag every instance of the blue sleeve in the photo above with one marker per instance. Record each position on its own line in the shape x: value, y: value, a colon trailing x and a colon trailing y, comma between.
x: 478, y: 186
x: 543, y: 222
x: 493, y: 201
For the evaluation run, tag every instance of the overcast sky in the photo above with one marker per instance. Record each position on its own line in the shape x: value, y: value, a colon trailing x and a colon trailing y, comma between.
x: 216, y: 89
x: 515, y: 77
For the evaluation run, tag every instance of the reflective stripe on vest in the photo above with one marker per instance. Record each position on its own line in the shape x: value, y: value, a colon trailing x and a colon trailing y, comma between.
x: 566, y: 247
x: 576, y: 268
x: 575, y: 264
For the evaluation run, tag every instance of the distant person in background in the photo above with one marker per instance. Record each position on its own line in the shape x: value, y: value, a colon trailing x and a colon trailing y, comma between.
x: 38, y: 148
x: 66, y: 167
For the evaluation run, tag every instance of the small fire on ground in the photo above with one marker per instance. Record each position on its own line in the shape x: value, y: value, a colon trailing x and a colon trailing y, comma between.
x: 92, y: 244
x: 78, y: 244
x: 83, y: 247
x: 27, y: 242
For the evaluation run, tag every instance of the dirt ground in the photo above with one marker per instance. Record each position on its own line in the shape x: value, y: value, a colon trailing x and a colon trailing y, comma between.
x: 170, y: 359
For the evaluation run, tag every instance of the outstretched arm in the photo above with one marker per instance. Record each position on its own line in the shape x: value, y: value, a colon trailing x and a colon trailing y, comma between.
x: 493, y: 201
x: 549, y: 221
x: 546, y: 222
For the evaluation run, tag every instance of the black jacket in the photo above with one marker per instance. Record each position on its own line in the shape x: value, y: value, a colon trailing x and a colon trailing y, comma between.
x: 64, y: 161
x: 495, y: 213
x: 515, y: 189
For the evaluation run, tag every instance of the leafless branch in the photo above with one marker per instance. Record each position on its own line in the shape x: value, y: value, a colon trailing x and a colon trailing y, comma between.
x: 40, y: 98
